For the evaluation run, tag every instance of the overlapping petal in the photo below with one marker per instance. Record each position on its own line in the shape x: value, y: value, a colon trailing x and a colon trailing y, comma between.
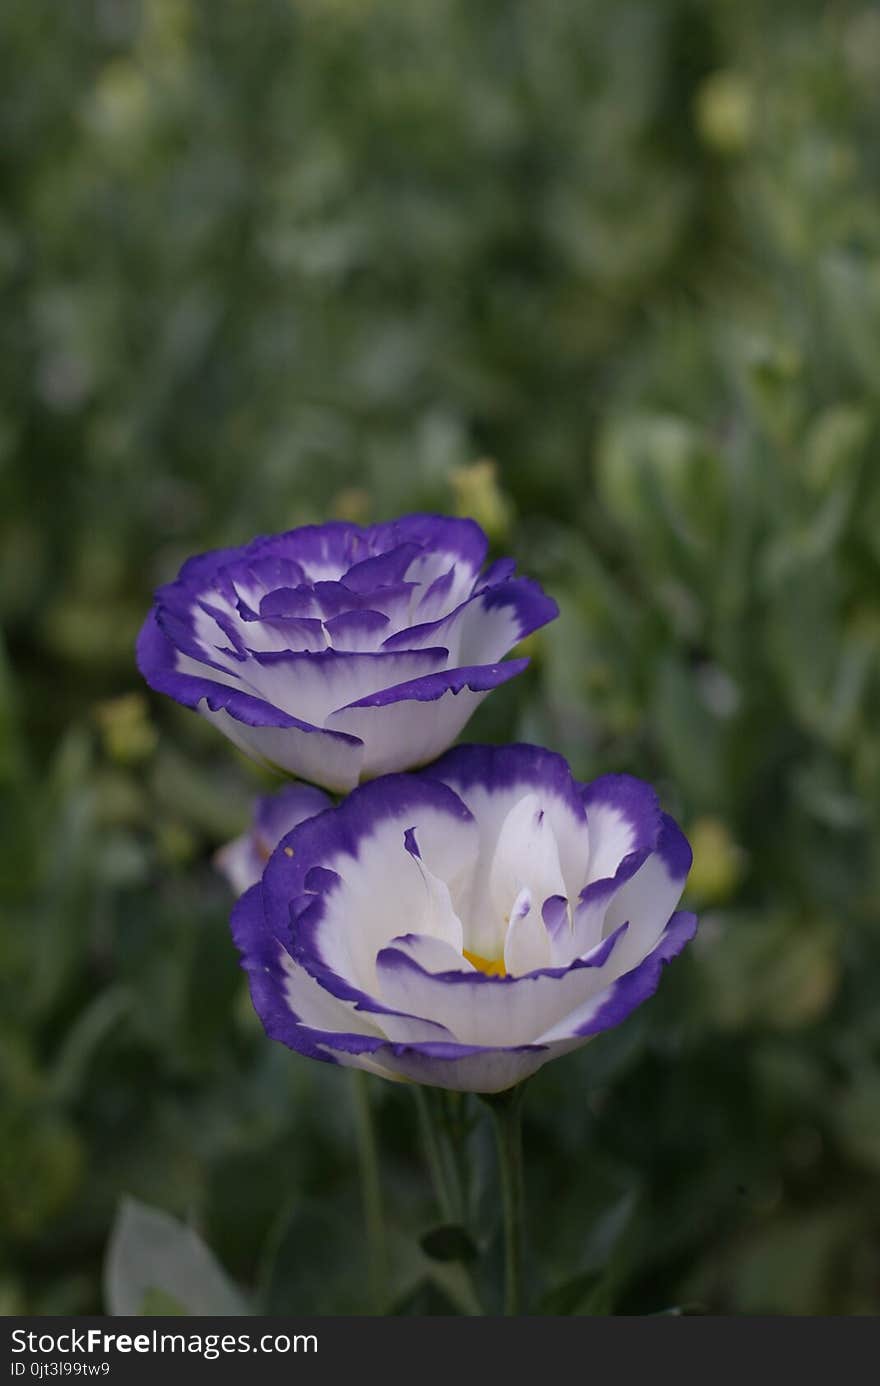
x: 340, y: 653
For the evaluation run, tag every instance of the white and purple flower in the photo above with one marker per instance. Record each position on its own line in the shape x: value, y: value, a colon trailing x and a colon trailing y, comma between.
x: 242, y: 860
x: 338, y: 653
x: 461, y: 926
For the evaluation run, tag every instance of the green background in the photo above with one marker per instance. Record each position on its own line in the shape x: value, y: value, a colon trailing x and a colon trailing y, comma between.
x: 606, y: 276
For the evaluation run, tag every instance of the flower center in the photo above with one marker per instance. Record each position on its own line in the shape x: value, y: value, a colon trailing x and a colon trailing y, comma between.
x: 493, y: 967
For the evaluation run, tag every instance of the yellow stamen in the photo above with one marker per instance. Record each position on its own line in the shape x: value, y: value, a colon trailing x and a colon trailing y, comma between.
x: 493, y: 967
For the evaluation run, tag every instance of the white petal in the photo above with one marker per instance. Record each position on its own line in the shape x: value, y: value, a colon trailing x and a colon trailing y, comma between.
x: 432, y: 954
x: 648, y: 901
x: 624, y: 816
x: 376, y: 1063
x: 329, y: 761
x: 385, y: 892
x: 409, y: 733
x: 321, y: 1012
x: 470, y: 771
x: 311, y: 687
x: 492, y: 1071
x: 470, y: 633
x: 438, y: 919
x: 316, y: 1007
x: 428, y: 567
x: 525, y: 855
x: 486, y: 1010
x: 588, y: 922
x: 239, y: 861
x: 527, y: 945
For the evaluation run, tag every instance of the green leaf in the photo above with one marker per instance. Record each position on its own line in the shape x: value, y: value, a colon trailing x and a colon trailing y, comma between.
x: 310, y: 1265
x: 449, y: 1242
x: 425, y: 1298
x: 150, y: 1253
x: 570, y: 1296
x: 158, y: 1304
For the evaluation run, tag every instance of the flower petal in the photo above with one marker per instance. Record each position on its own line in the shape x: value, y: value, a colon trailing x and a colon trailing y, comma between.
x: 525, y: 854
x: 265, y: 960
x: 623, y: 814
x: 492, y: 780
x: 467, y: 1068
x: 357, y: 630
x: 411, y: 723
x: 651, y: 894
x: 312, y: 686
x: 485, y: 625
x: 383, y: 569
x: 490, y: 1010
x: 432, y: 953
x: 459, y: 541
x: 277, y: 814
x: 527, y: 945
x: 326, y: 758
x: 369, y: 881
x: 297, y: 1010
x: 262, y: 731
x: 610, y: 1006
x: 239, y: 861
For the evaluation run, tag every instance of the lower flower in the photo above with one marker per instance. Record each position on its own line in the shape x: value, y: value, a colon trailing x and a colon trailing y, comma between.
x: 461, y: 926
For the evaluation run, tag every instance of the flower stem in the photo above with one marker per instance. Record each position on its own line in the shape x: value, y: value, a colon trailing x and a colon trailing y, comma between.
x: 445, y: 1163
x: 432, y: 1140
x: 506, y: 1109
x: 371, y: 1186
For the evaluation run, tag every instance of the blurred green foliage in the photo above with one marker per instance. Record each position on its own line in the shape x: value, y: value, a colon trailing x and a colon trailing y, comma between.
x: 607, y: 276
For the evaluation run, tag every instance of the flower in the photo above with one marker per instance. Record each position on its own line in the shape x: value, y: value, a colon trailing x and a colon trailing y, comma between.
x: 462, y: 925
x: 242, y: 860
x: 338, y: 653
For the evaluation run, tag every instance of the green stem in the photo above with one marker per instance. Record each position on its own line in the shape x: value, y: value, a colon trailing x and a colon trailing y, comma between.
x: 434, y: 1152
x: 443, y: 1164
x: 506, y: 1109
x: 455, y: 1115
x: 371, y: 1186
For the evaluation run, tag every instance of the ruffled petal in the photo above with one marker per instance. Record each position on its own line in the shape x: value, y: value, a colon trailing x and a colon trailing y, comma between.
x: 645, y: 890
x: 491, y: 1010
x: 492, y: 780
x: 485, y: 625
x: 301, y: 1013
x: 610, y: 1006
x: 357, y: 630
x: 624, y: 816
x: 270, y: 972
x: 369, y: 875
x: 312, y: 686
x: 648, y: 899
x: 263, y: 731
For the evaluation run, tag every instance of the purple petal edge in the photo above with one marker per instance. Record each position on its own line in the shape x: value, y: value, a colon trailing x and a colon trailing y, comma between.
x: 155, y: 660
x: 478, y: 678
x: 630, y: 990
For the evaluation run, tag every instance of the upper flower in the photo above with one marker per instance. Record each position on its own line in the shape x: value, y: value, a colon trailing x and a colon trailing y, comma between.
x: 339, y: 653
x: 463, y: 925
